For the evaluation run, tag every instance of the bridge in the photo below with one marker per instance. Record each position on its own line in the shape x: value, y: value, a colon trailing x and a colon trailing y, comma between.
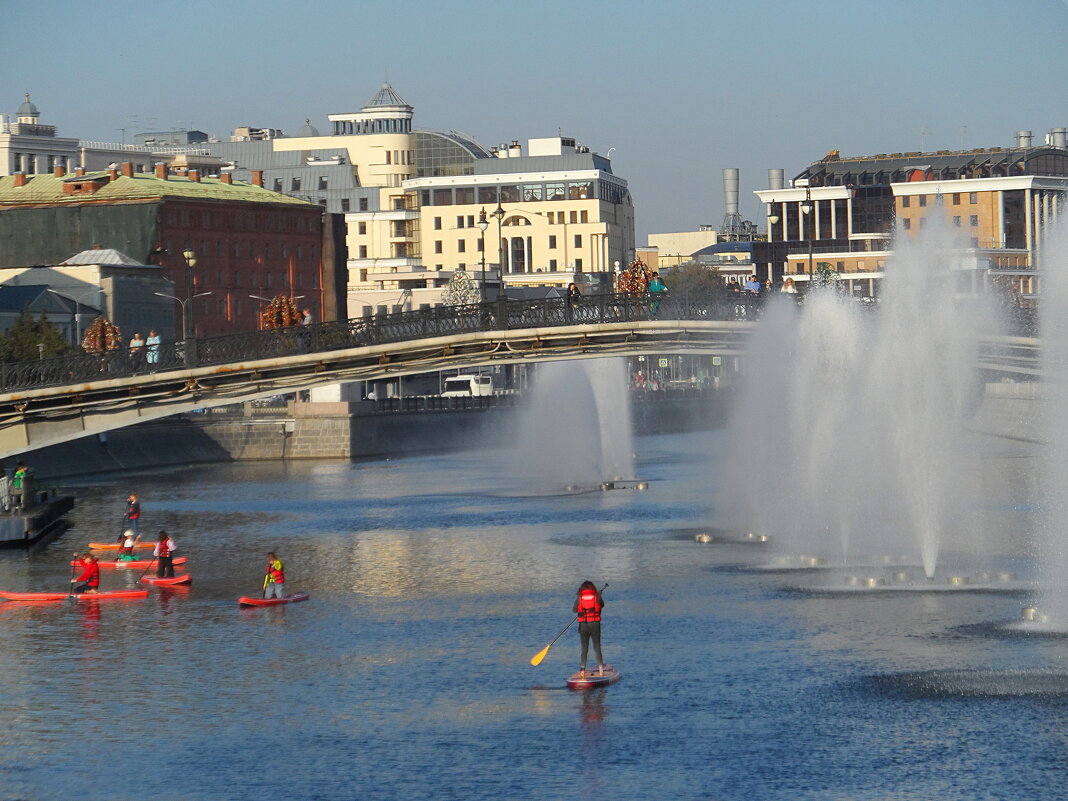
x: 49, y: 401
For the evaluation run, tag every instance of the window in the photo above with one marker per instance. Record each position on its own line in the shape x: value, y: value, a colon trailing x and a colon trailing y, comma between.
x: 487, y: 194
x: 437, y: 223
x: 461, y: 246
x: 442, y: 197
x: 574, y: 216
x: 973, y: 221
x: 459, y: 221
x: 552, y: 265
x: 294, y: 185
x: 465, y: 195
x: 389, y: 157
x: 554, y: 191
x: 345, y: 205
x: 906, y: 223
x: 580, y: 191
x: 578, y: 265
x: 277, y: 184
x: 362, y: 229
x: 956, y: 198
x: 584, y: 216
x: 552, y: 242
x: 324, y: 182
x: 578, y: 240
x: 481, y: 245
x: 533, y: 192
x: 363, y: 204
x: 437, y: 246
x: 237, y: 278
x: 840, y: 266
x: 956, y: 221
x: 923, y: 200
x: 906, y: 201
x: 923, y: 222
x: 973, y: 197
x: 470, y: 220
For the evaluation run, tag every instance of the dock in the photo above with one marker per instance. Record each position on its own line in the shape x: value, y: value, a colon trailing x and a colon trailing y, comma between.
x: 40, y: 518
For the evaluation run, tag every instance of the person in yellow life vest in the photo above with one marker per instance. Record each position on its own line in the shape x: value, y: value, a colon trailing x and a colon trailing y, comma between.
x: 275, y: 580
x: 588, y: 605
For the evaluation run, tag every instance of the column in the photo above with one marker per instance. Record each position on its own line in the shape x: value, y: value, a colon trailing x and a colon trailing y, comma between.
x: 528, y: 265
x: 1028, y: 238
x: 834, y: 219
x: 1001, y: 219
x: 816, y: 219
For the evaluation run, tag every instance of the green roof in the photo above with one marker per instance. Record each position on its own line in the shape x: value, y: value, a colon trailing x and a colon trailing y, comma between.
x: 142, y: 186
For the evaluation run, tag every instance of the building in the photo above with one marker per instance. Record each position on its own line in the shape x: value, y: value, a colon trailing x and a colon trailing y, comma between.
x: 844, y: 211
x: 679, y: 247
x: 554, y: 215
x: 134, y: 296
x: 29, y: 147
x: 245, y: 243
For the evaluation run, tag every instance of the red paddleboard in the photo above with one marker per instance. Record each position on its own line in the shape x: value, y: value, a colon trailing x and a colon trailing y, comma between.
x: 107, y: 595
x: 135, y: 563
x: 167, y: 581
x: 114, y: 546
x: 289, y: 599
x: 592, y: 679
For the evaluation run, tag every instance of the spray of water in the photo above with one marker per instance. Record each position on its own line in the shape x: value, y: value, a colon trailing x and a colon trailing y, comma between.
x: 847, y: 444
x: 577, y: 429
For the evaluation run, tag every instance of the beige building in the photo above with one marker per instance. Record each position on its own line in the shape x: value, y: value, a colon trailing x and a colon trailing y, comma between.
x: 678, y: 247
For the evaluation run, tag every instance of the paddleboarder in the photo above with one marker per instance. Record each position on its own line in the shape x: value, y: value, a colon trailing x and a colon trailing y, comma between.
x: 90, y: 575
x: 274, y: 581
x: 588, y: 605
x: 133, y: 514
x: 126, y: 552
x: 164, y: 552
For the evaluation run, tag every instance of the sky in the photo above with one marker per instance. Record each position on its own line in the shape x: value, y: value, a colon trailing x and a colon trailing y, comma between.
x: 676, y: 90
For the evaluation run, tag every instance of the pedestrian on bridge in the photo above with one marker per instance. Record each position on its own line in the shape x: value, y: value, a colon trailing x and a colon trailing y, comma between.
x: 152, y: 350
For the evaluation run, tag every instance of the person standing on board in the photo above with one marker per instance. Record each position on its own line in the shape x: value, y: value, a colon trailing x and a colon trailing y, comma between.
x: 275, y: 580
x: 90, y: 575
x: 164, y: 552
x: 588, y: 605
x: 133, y: 514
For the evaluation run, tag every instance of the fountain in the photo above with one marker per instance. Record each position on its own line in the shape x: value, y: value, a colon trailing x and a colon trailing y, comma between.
x: 848, y: 441
x: 576, y: 431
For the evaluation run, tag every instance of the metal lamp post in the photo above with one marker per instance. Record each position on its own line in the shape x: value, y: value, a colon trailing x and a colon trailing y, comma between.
x: 191, y: 262
x: 483, y: 224
x: 806, y: 210
x: 183, y: 302
x: 499, y: 214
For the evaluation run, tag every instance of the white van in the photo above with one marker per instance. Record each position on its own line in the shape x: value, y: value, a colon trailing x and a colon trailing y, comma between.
x: 466, y: 386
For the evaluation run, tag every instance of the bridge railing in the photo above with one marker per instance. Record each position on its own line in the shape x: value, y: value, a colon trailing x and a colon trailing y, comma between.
x: 439, y: 321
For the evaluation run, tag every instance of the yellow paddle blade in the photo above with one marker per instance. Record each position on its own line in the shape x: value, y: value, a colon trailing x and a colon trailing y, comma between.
x: 540, y: 655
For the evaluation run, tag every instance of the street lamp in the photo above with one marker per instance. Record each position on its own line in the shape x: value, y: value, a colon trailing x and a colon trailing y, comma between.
x: 499, y: 214
x: 182, y: 302
x: 483, y: 224
x: 806, y: 209
x: 190, y: 256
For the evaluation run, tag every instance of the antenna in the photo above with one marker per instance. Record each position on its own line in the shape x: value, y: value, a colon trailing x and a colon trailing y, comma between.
x: 923, y: 136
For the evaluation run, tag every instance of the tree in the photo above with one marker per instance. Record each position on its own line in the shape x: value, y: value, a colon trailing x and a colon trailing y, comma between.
x: 101, y: 335
x: 694, y: 278
x: 19, y: 343
x: 635, y: 279
x: 281, y: 312
x: 826, y: 277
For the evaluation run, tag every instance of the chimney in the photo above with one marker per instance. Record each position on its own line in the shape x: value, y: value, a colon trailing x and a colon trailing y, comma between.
x: 1023, y: 139
x: 20, y: 179
x: 59, y: 171
x: 1058, y: 137
x: 730, y: 189
x: 79, y: 172
x: 257, y: 178
x: 113, y: 174
x: 127, y: 169
x: 227, y: 178
x: 161, y: 170
x: 776, y: 178
x: 194, y: 176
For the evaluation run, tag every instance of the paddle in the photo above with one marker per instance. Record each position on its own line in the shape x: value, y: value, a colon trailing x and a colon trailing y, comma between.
x: 540, y: 655
x: 70, y: 592
x: 154, y: 558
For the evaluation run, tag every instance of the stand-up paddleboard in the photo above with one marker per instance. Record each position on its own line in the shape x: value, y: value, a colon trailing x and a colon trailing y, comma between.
x: 135, y: 563
x: 106, y: 595
x: 289, y: 599
x: 591, y: 678
x: 167, y: 581
x: 114, y: 546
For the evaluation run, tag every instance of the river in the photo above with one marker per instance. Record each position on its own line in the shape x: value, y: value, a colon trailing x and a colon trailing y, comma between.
x: 434, y: 580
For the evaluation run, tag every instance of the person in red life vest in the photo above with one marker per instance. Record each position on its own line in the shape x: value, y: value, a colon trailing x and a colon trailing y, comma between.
x: 90, y: 576
x: 164, y: 553
x: 275, y: 580
x: 588, y: 605
x: 133, y: 515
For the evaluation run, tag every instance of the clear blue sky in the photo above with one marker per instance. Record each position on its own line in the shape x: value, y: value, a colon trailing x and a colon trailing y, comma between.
x: 680, y: 90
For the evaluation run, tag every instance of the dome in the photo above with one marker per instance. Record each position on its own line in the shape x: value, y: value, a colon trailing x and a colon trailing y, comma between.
x: 308, y: 129
x: 28, y: 109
